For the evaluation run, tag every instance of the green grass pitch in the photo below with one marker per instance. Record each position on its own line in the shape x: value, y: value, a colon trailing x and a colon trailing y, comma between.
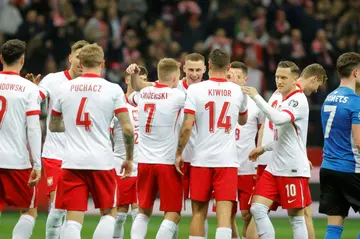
x: 282, y: 227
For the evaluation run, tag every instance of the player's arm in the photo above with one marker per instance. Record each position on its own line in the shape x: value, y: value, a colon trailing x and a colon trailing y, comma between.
x: 56, y: 122
x: 128, y: 133
x: 136, y: 83
x: 260, y: 135
x: 34, y: 135
x: 185, y: 131
x: 243, y: 115
x: 355, y: 124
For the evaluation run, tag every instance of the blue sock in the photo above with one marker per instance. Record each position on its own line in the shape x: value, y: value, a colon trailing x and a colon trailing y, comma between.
x: 358, y: 236
x: 333, y: 232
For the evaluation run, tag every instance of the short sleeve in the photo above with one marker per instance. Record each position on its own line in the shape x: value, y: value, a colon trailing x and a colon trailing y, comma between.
x: 44, y: 87
x: 56, y: 109
x: 119, y: 101
x: 260, y: 117
x: 181, y: 99
x: 295, y: 107
x: 243, y: 106
x: 134, y: 98
x: 33, y: 103
x: 355, y: 114
x: 190, y: 102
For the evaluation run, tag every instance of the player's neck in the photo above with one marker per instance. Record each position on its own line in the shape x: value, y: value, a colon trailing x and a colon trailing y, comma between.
x: 14, y: 68
x: 285, y: 94
x: 129, y: 91
x: 301, y: 83
x: 72, y: 73
x: 96, y: 71
x: 218, y: 75
x: 348, y: 83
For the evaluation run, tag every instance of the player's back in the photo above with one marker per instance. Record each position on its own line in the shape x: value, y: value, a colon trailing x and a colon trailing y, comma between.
x: 216, y: 104
x: 19, y: 98
x: 340, y: 109
x: 159, y: 109
x: 88, y: 104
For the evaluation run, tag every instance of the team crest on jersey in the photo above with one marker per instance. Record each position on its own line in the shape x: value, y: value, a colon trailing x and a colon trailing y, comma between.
x: 135, y: 115
x: 293, y: 103
x: 50, y: 181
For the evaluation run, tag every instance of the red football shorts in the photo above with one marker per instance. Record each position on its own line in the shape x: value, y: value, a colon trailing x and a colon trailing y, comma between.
x: 289, y: 192
x: 126, y: 189
x: 259, y: 172
x: 162, y: 178
x: 75, y: 185
x: 186, y: 179
x: 52, y: 170
x: 220, y: 180
x: 14, y: 189
x: 246, y: 185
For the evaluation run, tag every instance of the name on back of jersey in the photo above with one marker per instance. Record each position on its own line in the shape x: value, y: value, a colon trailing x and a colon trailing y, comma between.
x: 219, y: 92
x: 154, y: 96
x: 13, y: 87
x: 86, y: 87
x: 336, y: 98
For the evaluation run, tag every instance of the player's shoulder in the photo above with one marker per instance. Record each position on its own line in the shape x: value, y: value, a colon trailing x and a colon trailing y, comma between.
x: 297, y: 99
x: 55, y: 76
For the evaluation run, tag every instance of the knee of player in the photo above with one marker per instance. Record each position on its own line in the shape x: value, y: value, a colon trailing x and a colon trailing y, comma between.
x: 31, y: 212
x: 246, y: 216
x: 173, y: 216
x: 258, y: 210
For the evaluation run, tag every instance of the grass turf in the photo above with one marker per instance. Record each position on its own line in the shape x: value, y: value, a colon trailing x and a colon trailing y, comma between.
x: 282, y: 227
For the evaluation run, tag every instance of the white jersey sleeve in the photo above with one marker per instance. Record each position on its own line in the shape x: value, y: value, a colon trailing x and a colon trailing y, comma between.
x: 134, y: 98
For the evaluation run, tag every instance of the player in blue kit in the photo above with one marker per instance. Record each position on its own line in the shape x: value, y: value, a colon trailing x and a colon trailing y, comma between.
x: 340, y: 169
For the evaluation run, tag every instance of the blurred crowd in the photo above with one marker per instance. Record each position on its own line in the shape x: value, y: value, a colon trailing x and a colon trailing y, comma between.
x: 257, y: 32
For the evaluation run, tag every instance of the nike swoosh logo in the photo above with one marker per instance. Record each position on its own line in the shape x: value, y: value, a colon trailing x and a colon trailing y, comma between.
x: 56, y: 226
x: 291, y: 201
x: 260, y: 235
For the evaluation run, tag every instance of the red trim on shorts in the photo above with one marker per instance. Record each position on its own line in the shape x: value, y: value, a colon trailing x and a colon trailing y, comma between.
x: 291, y: 115
x: 291, y: 94
x: 33, y: 112
x: 91, y: 75
x: 188, y: 111
x: 9, y: 73
x: 219, y: 79
x: 159, y: 85
x: 54, y: 112
x: 243, y: 113
x: 67, y: 74
x: 42, y: 95
x: 120, y: 110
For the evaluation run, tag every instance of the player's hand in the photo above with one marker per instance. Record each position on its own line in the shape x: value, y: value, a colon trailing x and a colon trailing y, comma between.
x: 310, y: 164
x: 179, y: 164
x: 126, y: 169
x: 35, y: 80
x: 133, y: 69
x: 255, y: 153
x: 250, y: 91
x: 35, y: 176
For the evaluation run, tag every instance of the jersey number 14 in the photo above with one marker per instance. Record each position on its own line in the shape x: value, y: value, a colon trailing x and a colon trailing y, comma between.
x: 224, y: 121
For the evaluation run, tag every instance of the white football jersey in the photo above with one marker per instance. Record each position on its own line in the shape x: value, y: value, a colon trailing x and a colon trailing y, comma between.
x: 88, y: 105
x: 245, y: 138
x: 50, y: 88
x: 216, y: 104
x: 19, y: 98
x: 119, y: 144
x: 159, y: 110
x: 289, y: 149
x: 268, y: 132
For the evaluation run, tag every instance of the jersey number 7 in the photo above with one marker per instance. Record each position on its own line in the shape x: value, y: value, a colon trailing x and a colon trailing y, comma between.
x: 224, y: 121
x: 332, y: 110
x: 151, y: 109
x: 83, y: 118
x: 2, y: 109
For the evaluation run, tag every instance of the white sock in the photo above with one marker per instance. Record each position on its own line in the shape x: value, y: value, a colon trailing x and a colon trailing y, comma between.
x: 194, y: 237
x: 264, y: 226
x: 223, y: 233
x: 299, y: 227
x: 24, y: 227
x: 139, y: 227
x: 134, y: 213
x: 206, y: 228
x: 72, y: 230
x: 105, y: 228
x: 166, y: 230
x: 62, y: 229
x: 54, y: 222
x: 176, y: 234
x: 119, y: 225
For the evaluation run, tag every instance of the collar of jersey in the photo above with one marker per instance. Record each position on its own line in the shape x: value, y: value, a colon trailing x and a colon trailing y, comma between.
x: 67, y: 74
x: 219, y: 79
x: 292, y: 93
x: 90, y: 75
x: 159, y: 85
x: 9, y: 73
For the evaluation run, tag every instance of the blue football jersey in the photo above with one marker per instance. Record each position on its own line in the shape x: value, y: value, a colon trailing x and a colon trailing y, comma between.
x: 340, y: 110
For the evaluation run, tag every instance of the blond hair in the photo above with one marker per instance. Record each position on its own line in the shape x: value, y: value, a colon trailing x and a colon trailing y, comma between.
x: 316, y: 70
x: 78, y: 45
x: 167, y: 67
x: 91, y: 55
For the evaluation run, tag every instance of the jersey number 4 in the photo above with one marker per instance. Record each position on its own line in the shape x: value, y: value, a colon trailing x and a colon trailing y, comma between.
x: 82, y: 117
x: 332, y: 110
x: 3, y: 109
x: 224, y: 121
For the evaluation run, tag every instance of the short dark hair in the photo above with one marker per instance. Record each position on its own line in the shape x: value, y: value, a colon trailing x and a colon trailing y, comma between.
x: 12, y: 50
x: 143, y: 70
x: 195, y: 57
x: 289, y: 64
x: 315, y: 70
x: 219, y: 59
x: 239, y: 65
x: 346, y: 63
